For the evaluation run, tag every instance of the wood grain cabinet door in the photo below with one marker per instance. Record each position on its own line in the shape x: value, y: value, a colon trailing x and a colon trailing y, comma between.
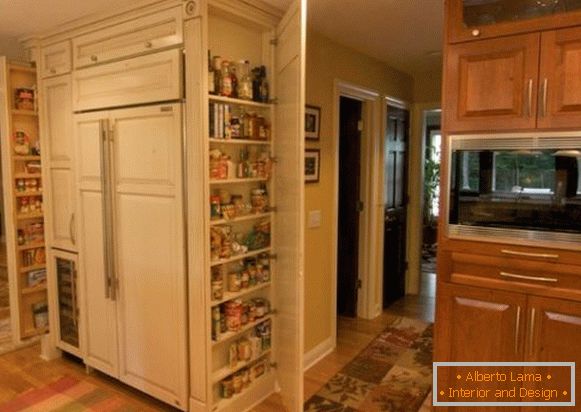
x: 553, y: 335
x: 478, y: 325
x: 492, y: 84
x: 560, y: 79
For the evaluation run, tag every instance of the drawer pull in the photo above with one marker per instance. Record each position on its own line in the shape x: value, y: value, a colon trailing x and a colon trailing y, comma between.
x: 52, y: 70
x: 93, y: 58
x: 529, y: 254
x: 148, y: 45
x: 533, y: 278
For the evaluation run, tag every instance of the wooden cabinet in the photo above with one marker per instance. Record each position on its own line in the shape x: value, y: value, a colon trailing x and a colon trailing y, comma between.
x: 560, y: 79
x: 144, y: 34
x: 23, y: 197
x: 57, y: 139
x: 55, y: 59
x: 491, y: 83
x: 514, y: 83
x: 132, y: 247
x: 472, y: 20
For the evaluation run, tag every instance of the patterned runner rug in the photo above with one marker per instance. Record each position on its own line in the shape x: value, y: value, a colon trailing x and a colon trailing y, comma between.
x: 393, y: 374
x: 68, y: 395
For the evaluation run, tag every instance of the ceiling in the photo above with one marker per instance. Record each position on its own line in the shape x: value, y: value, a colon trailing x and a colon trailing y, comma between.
x: 406, y: 34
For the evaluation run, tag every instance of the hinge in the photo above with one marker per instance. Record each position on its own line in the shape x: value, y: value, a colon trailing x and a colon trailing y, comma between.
x: 274, y: 159
x: 274, y: 41
x: 274, y: 100
x: 271, y: 209
x: 272, y: 256
x: 359, y: 284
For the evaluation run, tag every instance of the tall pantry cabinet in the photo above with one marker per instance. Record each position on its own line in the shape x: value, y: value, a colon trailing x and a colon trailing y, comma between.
x: 127, y: 144
x: 236, y: 31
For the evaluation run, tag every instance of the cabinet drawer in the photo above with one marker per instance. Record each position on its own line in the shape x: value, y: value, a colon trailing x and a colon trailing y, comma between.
x: 144, y: 34
x: 508, y: 273
x: 55, y: 59
x: 146, y: 79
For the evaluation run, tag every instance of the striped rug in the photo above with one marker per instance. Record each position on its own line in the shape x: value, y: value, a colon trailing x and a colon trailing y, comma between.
x: 68, y: 395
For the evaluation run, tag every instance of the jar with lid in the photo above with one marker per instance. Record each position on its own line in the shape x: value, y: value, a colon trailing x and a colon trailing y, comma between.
x: 226, y: 83
x: 245, y: 81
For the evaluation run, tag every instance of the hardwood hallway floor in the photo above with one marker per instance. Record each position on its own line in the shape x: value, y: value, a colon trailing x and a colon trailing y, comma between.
x: 23, y: 370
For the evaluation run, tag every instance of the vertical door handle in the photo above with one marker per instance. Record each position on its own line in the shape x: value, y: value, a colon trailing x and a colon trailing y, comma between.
x: 104, y: 206
x: 72, y: 229
x: 544, y: 97
x: 111, y: 215
x: 532, y: 332
x: 517, y: 330
x: 529, y: 111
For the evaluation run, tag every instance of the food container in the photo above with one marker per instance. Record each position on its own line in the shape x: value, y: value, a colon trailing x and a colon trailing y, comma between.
x: 233, y: 356
x: 259, y: 200
x: 234, y: 282
x: 244, y: 350
x: 233, y: 315
x: 237, y: 382
x: 255, y: 346
x: 245, y: 378
x: 227, y: 386
x: 215, y: 212
x: 24, y: 98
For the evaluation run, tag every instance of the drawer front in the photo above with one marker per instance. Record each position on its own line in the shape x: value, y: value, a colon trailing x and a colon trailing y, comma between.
x: 530, y: 276
x: 144, y: 34
x: 55, y: 59
x: 146, y: 79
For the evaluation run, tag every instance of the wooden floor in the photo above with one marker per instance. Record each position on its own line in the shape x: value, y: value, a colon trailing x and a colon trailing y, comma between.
x: 23, y: 370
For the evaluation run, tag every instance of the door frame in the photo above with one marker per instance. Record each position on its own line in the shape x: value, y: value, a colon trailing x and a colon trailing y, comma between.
x: 370, y: 183
x: 418, y: 122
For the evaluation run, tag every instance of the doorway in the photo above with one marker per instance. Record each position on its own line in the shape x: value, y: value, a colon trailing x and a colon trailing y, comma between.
x: 396, y: 201
x: 350, y: 205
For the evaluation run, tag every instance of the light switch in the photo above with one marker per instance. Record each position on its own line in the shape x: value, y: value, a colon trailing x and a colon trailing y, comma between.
x: 314, y: 218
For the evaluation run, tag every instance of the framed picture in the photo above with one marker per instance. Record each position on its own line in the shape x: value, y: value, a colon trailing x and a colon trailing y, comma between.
x: 312, y: 165
x: 312, y: 122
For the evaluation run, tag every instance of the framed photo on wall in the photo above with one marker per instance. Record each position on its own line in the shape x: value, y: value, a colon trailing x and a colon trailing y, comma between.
x: 312, y: 122
x: 312, y: 165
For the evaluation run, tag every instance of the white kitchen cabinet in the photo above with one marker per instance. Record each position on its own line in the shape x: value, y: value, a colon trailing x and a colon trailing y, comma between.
x: 57, y: 141
x: 143, y: 34
x: 55, y: 59
x: 236, y: 32
x: 132, y: 247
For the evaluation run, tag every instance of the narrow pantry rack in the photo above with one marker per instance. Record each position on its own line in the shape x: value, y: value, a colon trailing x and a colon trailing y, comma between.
x: 24, y: 202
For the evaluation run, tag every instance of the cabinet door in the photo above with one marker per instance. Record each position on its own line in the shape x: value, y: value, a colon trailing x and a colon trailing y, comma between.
x: 148, y: 215
x: 58, y: 142
x: 491, y: 84
x: 560, y: 79
x: 55, y: 59
x: 478, y: 325
x: 99, y: 308
x: 289, y: 188
x: 553, y: 335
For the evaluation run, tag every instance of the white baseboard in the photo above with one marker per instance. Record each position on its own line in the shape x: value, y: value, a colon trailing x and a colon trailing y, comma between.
x: 318, y: 352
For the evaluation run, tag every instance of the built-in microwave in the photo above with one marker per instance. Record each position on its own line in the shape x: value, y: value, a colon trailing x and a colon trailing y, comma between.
x: 521, y: 188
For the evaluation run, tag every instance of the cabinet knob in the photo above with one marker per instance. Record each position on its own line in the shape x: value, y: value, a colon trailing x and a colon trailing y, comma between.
x: 52, y: 70
x: 93, y: 58
x: 148, y: 44
x: 475, y: 33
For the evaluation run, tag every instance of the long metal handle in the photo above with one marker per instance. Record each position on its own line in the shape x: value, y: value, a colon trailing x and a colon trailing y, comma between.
x: 545, y: 92
x: 529, y: 254
x: 529, y: 97
x: 517, y: 329
x: 533, y: 278
x: 532, y: 332
x: 104, y: 204
x: 72, y: 229
x: 110, y: 217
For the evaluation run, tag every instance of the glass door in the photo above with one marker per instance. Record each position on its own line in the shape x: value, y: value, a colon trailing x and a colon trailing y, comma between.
x: 68, y: 307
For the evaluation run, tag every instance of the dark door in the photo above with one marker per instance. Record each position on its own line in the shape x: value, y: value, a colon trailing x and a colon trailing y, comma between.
x: 348, y: 242
x: 394, y: 249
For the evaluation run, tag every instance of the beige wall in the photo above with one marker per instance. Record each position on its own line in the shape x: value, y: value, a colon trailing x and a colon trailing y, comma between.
x: 428, y: 87
x: 326, y: 62
x: 11, y: 48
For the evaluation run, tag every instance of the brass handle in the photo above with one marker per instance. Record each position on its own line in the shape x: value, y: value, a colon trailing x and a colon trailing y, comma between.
x: 545, y: 92
x: 529, y: 254
x: 517, y: 329
x: 533, y: 278
x: 93, y: 58
x: 529, y: 98
x: 532, y: 332
x: 72, y: 229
